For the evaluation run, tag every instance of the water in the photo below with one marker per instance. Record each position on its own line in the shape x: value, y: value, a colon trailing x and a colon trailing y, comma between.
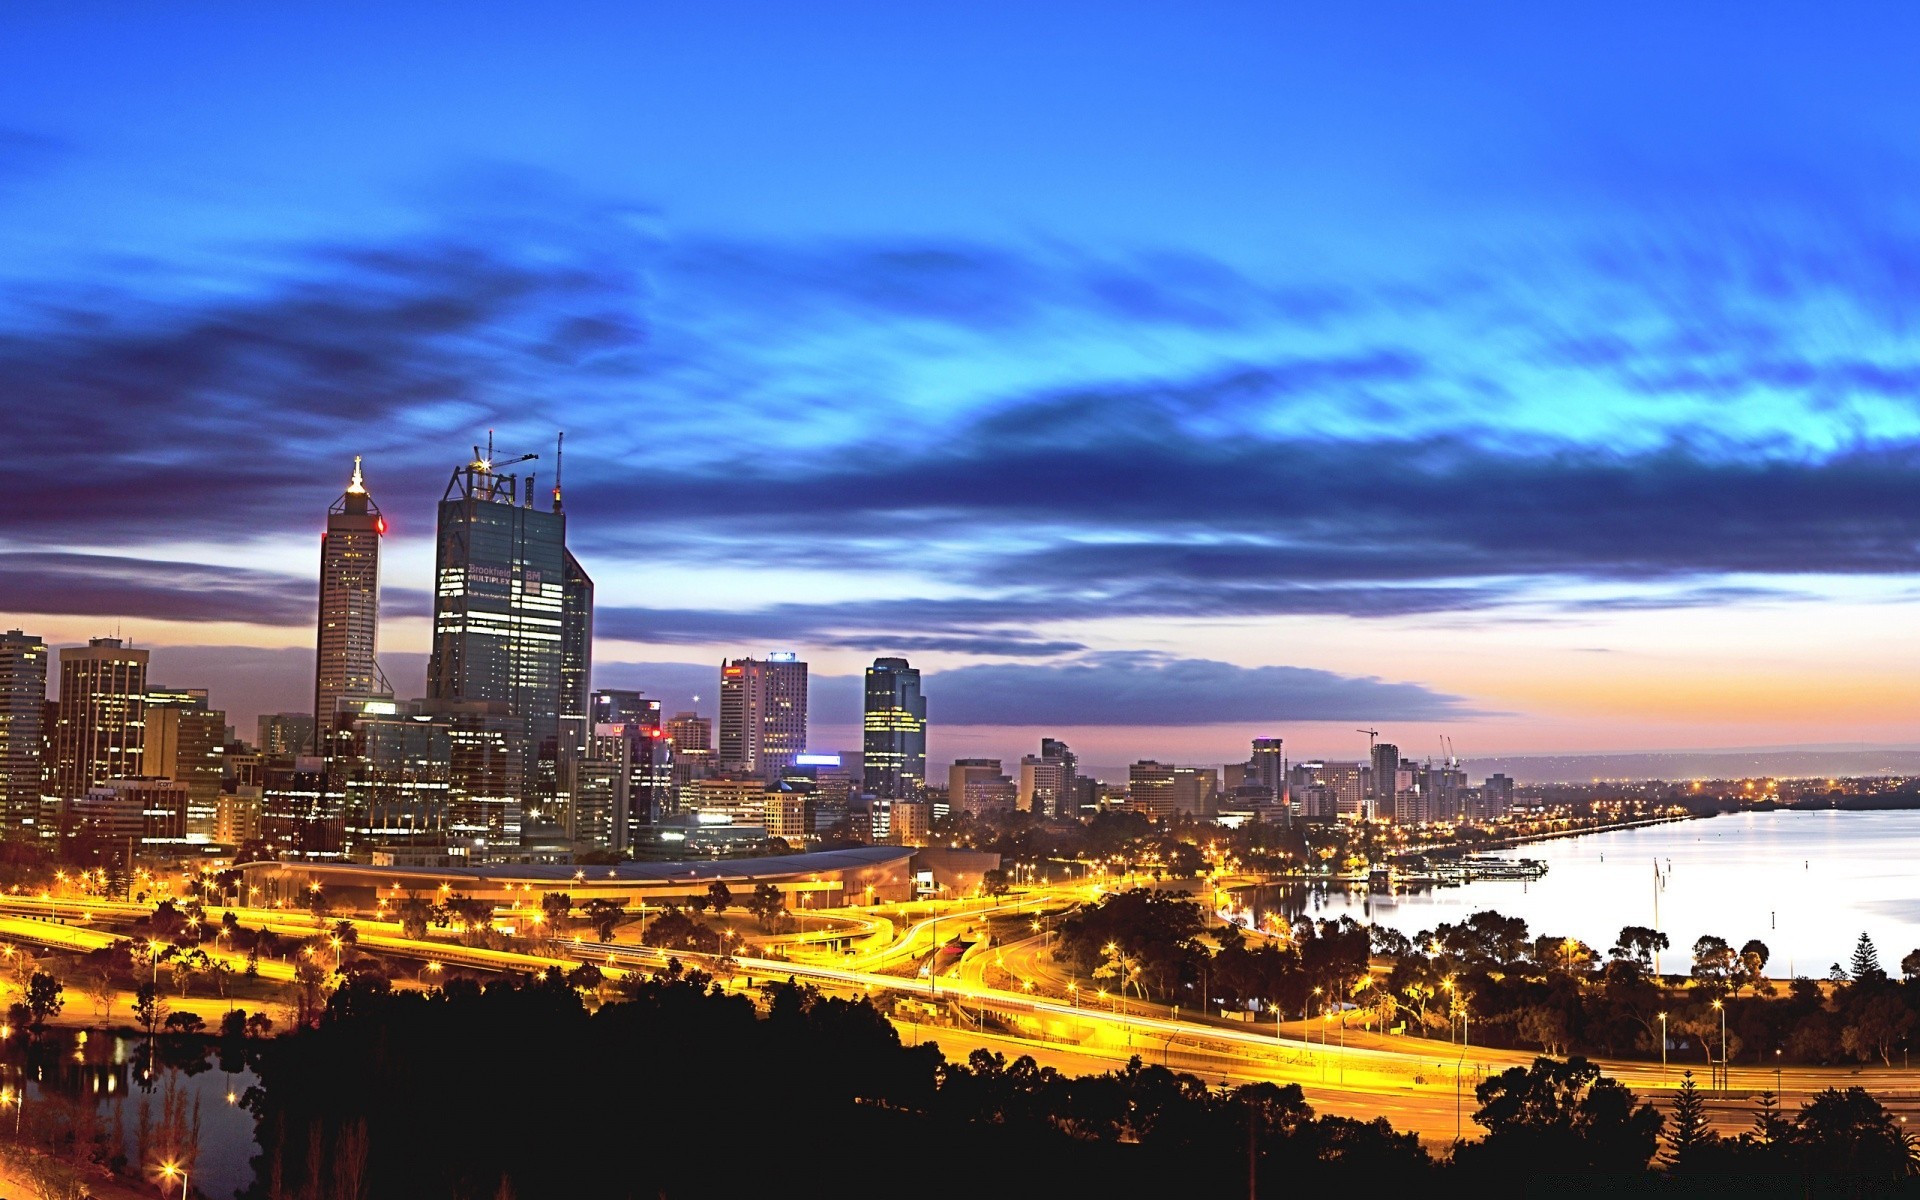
x: 1805, y: 883
x: 68, y: 1070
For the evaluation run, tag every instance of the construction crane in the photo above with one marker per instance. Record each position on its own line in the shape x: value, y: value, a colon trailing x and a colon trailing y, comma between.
x: 1373, y: 742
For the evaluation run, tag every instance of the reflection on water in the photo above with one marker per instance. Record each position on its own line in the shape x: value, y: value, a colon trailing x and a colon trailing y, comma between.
x: 1805, y: 883
x: 89, y: 1086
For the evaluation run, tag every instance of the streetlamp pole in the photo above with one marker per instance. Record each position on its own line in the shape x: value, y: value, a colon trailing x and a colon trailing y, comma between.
x: 1663, y: 1048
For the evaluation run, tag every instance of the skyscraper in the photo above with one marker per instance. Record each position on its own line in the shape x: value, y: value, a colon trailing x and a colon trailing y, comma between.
x: 184, y: 741
x: 895, y: 752
x: 23, y: 703
x: 512, y: 617
x: 763, y: 714
x: 1384, y: 782
x: 103, y: 716
x: 349, y: 630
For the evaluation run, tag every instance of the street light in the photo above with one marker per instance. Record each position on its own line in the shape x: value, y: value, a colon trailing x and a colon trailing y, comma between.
x: 1724, y: 1082
x: 170, y: 1171
x: 1663, y: 1047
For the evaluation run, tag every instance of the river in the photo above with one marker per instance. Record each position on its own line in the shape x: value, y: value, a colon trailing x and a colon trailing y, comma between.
x: 1805, y: 883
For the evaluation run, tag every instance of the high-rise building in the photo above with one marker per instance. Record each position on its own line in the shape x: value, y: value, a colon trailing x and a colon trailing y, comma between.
x: 512, y: 628
x: 627, y: 732
x: 1385, y: 782
x: 23, y: 706
x: 103, y: 717
x: 692, y: 737
x: 763, y: 714
x: 1268, y: 765
x: 349, y: 631
x: 1496, y: 796
x: 1048, y: 781
x: 185, y: 741
x: 895, y: 753
x: 1339, y: 789
x: 1150, y: 790
x: 284, y: 733
x: 977, y: 785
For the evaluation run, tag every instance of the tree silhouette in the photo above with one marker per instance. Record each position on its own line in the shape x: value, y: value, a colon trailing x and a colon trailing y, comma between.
x: 1687, y: 1129
x: 1865, y: 964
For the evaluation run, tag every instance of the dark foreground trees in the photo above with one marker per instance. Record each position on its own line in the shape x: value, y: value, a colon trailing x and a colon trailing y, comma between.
x: 620, y: 1102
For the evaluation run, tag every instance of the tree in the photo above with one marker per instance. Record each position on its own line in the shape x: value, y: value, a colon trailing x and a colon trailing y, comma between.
x: 185, y: 1023
x: 1770, y: 1126
x: 1560, y: 1117
x: 1875, y: 1025
x: 1866, y: 961
x: 415, y: 914
x: 1753, y: 964
x: 148, y: 1005
x: 1850, y: 1135
x: 995, y: 882
x: 44, y: 997
x: 768, y: 904
x: 1910, y: 966
x: 1687, y: 1130
x: 719, y: 897
x: 557, y: 907
x: 603, y: 915
x: 1714, y: 961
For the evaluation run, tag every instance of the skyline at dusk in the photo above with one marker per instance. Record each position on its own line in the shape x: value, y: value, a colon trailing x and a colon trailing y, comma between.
x: 1542, y: 386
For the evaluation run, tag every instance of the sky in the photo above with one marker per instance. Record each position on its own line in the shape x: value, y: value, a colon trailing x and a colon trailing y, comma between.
x: 1153, y: 376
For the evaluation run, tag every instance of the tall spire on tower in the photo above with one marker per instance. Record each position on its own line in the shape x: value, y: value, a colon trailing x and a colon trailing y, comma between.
x: 358, y: 485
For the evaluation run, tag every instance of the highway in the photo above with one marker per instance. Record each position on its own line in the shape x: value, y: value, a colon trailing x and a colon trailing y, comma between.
x: 1417, y: 1083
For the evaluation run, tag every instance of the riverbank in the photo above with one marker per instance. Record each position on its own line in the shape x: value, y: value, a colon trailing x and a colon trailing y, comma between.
x: 1456, y: 849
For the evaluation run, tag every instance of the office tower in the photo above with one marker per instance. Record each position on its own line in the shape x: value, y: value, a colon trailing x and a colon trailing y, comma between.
x: 1046, y: 785
x: 284, y: 733
x: 103, y: 713
x: 185, y: 741
x: 763, y: 714
x: 1340, y: 789
x: 1384, y: 782
x: 1150, y: 790
x: 1496, y: 796
x: 1268, y: 765
x: 976, y: 786
x: 907, y: 823
x: 895, y: 750
x: 349, y: 629
x: 151, y: 813
x: 692, y: 737
x: 512, y: 628
x: 301, y: 813
x: 23, y: 706
x: 634, y: 741
x: 1194, y: 790
x: 617, y: 706
x: 392, y: 767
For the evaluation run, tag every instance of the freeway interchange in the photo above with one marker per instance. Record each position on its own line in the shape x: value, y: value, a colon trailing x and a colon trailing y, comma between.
x: 1011, y: 998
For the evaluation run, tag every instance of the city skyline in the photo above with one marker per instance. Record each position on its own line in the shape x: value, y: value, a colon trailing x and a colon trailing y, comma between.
x: 1550, y: 402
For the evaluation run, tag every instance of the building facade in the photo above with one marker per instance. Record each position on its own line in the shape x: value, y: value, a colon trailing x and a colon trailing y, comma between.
x: 23, y: 708
x: 185, y: 740
x: 763, y: 714
x: 103, y: 717
x: 349, y: 629
x: 894, y: 750
x: 512, y: 631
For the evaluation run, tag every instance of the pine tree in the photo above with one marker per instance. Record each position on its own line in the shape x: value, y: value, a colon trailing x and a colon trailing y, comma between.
x: 1687, y: 1129
x: 1769, y: 1124
x: 1866, y: 960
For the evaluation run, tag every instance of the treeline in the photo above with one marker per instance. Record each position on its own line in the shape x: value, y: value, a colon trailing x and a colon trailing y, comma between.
x: 677, y: 1089
x: 1491, y: 980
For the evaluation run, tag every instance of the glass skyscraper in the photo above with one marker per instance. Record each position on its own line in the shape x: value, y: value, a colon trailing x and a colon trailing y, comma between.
x: 895, y: 735
x: 512, y: 622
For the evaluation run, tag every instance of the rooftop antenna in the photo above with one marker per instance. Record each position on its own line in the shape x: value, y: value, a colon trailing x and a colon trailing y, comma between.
x: 559, y: 449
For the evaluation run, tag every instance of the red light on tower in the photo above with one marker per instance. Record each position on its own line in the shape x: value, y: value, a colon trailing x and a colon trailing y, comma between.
x: 380, y: 525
